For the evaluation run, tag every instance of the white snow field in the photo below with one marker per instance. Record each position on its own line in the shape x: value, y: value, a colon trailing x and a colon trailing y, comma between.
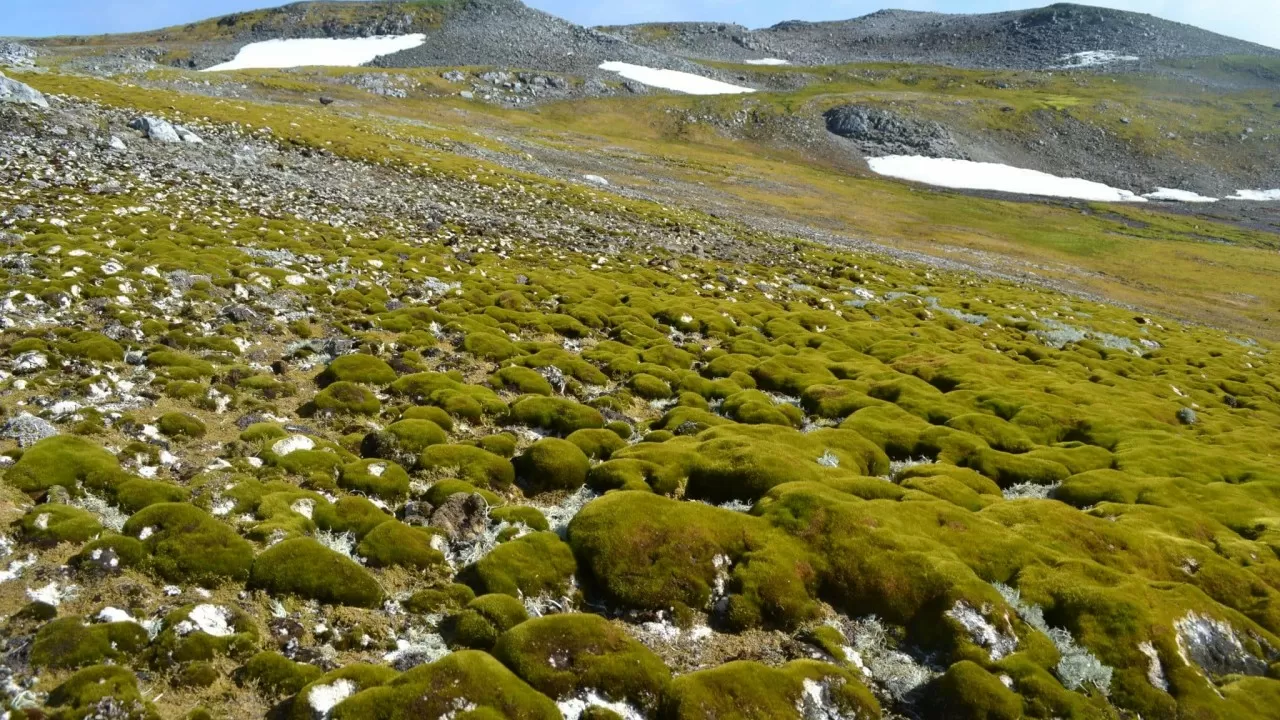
x: 1259, y: 195
x: 969, y: 175
x: 767, y: 61
x: 1176, y: 195
x: 303, y: 52
x: 673, y: 80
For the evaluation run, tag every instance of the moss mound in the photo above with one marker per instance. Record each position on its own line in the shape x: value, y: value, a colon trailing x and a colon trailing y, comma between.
x: 305, y: 568
x: 551, y: 464
x: 70, y: 461
x: 70, y: 643
x: 562, y: 655
x: 51, y: 524
x: 383, y: 479
x: 748, y: 689
x: 276, y: 675
x: 347, y: 398
x: 472, y: 464
x: 185, y: 544
x: 529, y: 566
x: 469, y: 679
x: 558, y: 415
x: 181, y: 425
x: 81, y: 695
x: 357, y: 368
x: 967, y: 692
x: 393, y: 543
x: 597, y: 444
x: 522, y: 380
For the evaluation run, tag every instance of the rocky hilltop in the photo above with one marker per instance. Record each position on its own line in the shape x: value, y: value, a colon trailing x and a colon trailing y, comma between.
x: 1024, y: 39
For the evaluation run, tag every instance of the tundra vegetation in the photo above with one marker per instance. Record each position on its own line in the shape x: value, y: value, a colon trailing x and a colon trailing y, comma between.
x: 550, y: 452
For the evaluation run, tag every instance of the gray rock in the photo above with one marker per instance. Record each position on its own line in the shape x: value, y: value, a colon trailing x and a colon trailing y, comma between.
x: 879, y: 132
x: 12, y: 91
x: 187, y: 136
x: 27, y: 429
x: 454, y: 76
x: 116, y: 144
x: 29, y: 362
x: 1216, y: 647
x: 156, y: 129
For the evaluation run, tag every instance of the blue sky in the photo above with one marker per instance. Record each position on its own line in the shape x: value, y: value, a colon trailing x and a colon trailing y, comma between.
x: 1256, y: 20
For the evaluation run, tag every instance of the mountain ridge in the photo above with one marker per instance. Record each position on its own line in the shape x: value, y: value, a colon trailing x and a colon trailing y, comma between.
x: 1038, y: 38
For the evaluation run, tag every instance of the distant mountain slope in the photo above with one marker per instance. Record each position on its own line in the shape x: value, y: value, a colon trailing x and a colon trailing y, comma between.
x: 509, y: 33
x: 1022, y: 39
x: 459, y: 32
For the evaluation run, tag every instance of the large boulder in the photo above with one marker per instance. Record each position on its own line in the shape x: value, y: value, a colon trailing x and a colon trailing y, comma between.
x: 163, y: 130
x: 878, y: 132
x: 12, y: 91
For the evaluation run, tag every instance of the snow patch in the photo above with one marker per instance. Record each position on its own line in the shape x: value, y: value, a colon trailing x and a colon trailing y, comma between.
x: 767, y: 61
x: 303, y: 52
x: 1094, y: 58
x: 970, y: 175
x: 1257, y: 195
x: 1176, y: 195
x: 673, y: 80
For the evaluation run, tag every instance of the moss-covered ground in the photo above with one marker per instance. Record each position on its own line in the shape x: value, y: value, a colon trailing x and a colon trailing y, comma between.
x: 859, y: 484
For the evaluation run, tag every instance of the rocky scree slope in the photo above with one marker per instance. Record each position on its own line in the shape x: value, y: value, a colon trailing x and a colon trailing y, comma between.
x: 1023, y: 39
x: 290, y: 433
